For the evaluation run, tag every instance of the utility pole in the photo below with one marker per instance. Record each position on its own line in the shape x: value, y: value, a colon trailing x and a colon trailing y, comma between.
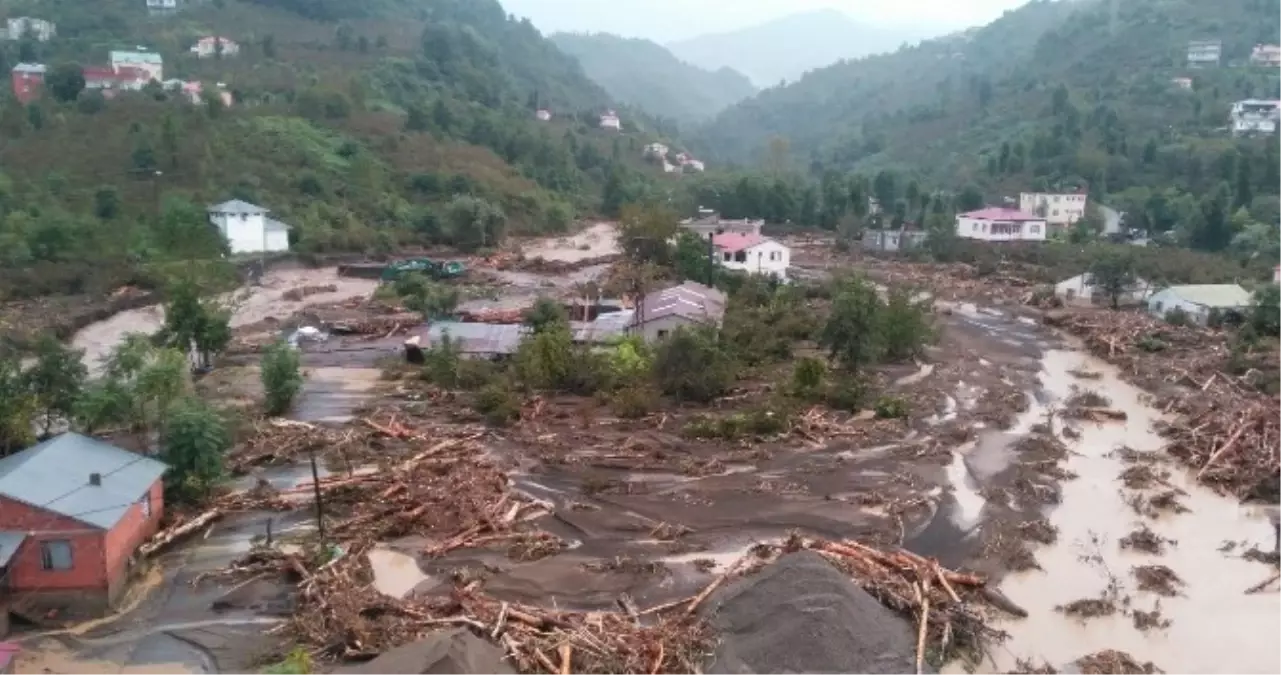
x: 155, y: 192
x: 315, y: 485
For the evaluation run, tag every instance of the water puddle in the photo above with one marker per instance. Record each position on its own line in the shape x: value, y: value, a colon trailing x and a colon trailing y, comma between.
x: 923, y: 371
x: 969, y: 503
x: 1215, y: 626
x: 395, y: 573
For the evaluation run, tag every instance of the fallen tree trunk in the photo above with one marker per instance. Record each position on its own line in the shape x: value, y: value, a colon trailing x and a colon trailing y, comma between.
x: 165, y: 538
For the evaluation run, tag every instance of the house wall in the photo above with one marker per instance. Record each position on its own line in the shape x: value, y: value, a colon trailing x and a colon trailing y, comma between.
x: 277, y: 240
x: 156, y: 71
x: 122, y: 540
x: 1060, y: 208
x: 977, y: 228
x: 650, y: 330
x: 1162, y: 303
x: 84, y: 585
x: 244, y: 232
x: 27, y: 86
x: 768, y: 257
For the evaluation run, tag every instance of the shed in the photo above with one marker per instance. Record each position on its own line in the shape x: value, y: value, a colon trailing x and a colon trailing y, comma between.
x: 1199, y: 300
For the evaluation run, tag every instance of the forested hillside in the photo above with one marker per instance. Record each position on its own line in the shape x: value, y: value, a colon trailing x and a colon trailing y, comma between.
x: 649, y: 77
x: 1054, y: 94
x: 361, y: 125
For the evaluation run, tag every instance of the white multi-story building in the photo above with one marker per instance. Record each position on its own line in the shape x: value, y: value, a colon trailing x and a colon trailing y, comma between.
x: 1000, y: 224
x: 24, y: 26
x: 1266, y: 55
x: 247, y: 228
x: 656, y: 150
x: 751, y: 253
x: 610, y: 120
x: 150, y: 62
x: 1254, y: 116
x: 1057, y: 208
x: 1205, y: 52
x: 208, y: 46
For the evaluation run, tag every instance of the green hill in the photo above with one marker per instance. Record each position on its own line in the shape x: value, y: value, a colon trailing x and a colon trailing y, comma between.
x: 359, y: 124
x: 646, y: 75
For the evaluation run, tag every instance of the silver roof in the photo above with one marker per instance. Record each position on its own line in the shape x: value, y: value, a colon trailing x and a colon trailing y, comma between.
x: 238, y: 206
x: 478, y: 338
x: 9, y: 543
x: 690, y: 300
x: 54, y: 476
x: 273, y: 225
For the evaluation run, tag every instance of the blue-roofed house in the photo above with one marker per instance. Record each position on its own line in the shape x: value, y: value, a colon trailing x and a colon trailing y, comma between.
x: 73, y: 510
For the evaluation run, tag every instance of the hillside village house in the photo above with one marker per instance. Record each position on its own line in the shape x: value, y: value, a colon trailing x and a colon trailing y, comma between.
x: 750, y: 253
x: 1081, y: 290
x: 1001, y: 224
x: 1184, y: 83
x: 27, y: 80
x: 1056, y: 208
x: 193, y: 91
x: 1204, y: 52
x: 26, y: 27
x: 543, y: 115
x: 688, y: 163
x: 1266, y: 55
x: 247, y: 228
x: 610, y: 120
x: 656, y: 150
x: 1254, y: 116
x: 690, y: 304
x: 890, y: 240
x: 73, y: 510
x: 110, y: 81
x: 162, y: 5
x: 1276, y: 274
x: 1199, y: 300
x: 209, y: 46
x: 147, y: 61
x: 709, y: 222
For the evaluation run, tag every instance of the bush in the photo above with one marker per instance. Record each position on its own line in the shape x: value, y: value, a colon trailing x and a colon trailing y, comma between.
x: 808, y: 377
x: 1151, y: 343
x: 691, y: 365
x: 758, y: 422
x: 549, y: 360
x: 891, y: 407
x: 1177, y: 317
x: 906, y: 326
x: 634, y: 401
x: 281, y: 376
x: 497, y: 403
x: 846, y: 393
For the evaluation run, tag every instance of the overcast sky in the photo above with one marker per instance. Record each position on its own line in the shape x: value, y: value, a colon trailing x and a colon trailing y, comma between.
x: 665, y: 20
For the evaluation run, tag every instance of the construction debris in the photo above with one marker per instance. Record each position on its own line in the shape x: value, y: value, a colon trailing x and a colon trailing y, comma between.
x: 1145, y: 540
x: 1113, y: 662
x: 1158, y: 579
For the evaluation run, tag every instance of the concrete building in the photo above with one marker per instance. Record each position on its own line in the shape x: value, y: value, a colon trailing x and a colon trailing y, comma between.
x: 27, y: 80
x: 543, y: 115
x: 21, y: 27
x: 1268, y: 56
x: 893, y: 240
x: 1001, y: 224
x: 709, y: 222
x: 247, y: 228
x: 1203, y: 53
x: 1184, y: 83
x: 610, y: 121
x: 1199, y: 300
x: 150, y: 62
x: 208, y: 46
x: 656, y: 151
x: 73, y: 510
x: 690, y: 304
x: 751, y: 253
x: 1057, y: 208
x: 1081, y: 290
x: 1254, y: 116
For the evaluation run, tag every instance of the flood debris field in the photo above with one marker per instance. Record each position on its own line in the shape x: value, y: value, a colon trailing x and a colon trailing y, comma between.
x: 1007, y: 516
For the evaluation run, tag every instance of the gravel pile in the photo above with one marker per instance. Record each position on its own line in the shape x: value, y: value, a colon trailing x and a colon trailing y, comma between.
x: 801, y: 615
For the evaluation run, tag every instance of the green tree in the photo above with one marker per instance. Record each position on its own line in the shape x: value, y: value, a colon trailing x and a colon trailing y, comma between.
x: 545, y: 314
x: 430, y: 298
x: 269, y: 46
x: 1265, y: 311
x: 694, y: 259
x: 65, y: 81
x: 905, y: 325
x: 1114, y: 274
x: 281, y: 376
x: 852, y: 334
x: 104, y: 403
x: 194, y: 441
x: 643, y: 233
x: 56, y: 379
x: 18, y: 408
x: 106, y: 202
x: 474, y: 222
x: 690, y: 365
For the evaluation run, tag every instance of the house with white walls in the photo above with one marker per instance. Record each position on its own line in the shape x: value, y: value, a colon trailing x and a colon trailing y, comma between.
x: 1082, y: 290
x: 1268, y: 56
x: 1001, y: 224
x: 150, y: 62
x: 751, y: 253
x: 543, y: 115
x: 610, y: 121
x: 209, y: 46
x: 248, y: 229
x: 1255, y: 116
x: 19, y: 27
x: 1057, y: 208
x: 656, y: 150
x: 1198, y: 300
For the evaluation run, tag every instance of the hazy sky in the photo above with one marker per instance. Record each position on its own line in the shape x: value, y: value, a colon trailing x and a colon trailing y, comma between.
x: 664, y: 20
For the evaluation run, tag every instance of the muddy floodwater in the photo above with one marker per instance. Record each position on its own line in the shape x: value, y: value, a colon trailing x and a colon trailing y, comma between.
x: 1214, y: 625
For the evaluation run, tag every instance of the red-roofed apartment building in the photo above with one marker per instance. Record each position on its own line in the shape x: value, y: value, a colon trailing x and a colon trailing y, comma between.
x: 751, y: 253
x: 123, y: 78
x: 28, y: 81
x: 998, y: 224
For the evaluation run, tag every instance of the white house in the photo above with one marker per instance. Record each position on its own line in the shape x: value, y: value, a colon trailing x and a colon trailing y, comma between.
x: 656, y: 150
x: 1205, y: 52
x: 1057, y: 208
x: 247, y: 228
x: 710, y: 222
x: 1184, y: 83
x: 751, y: 253
x: 1000, y: 224
x: 145, y: 61
x: 1199, y: 300
x: 162, y: 5
x: 1254, y: 116
x: 1081, y: 290
x: 208, y: 46
x: 39, y: 30
x: 543, y: 115
x: 691, y: 164
x: 610, y: 121
x: 1276, y: 274
x: 1266, y: 55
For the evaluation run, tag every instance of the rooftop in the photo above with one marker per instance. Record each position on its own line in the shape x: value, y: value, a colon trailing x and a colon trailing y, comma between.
x: 998, y: 213
x: 29, y: 68
x: 1213, y: 295
x: 140, y: 57
x: 237, y: 206
x: 690, y: 300
x: 54, y: 476
x: 734, y: 241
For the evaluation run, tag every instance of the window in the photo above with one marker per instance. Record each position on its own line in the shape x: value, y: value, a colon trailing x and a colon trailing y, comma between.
x: 1056, y: 212
x: 145, y: 501
x: 1056, y: 199
x: 55, y: 554
x: 1035, y: 229
x: 741, y: 256
x: 727, y: 256
x: 662, y: 333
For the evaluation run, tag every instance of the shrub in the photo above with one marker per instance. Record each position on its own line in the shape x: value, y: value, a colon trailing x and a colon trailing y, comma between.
x: 1177, y: 317
x: 762, y: 421
x: 281, y: 376
x: 846, y: 393
x: 906, y: 326
x: 497, y: 403
x: 691, y: 365
x: 634, y: 401
x: 549, y: 360
x: 807, y: 378
x: 891, y: 407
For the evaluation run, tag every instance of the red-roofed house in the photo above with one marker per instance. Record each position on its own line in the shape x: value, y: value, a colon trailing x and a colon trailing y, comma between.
x: 28, y: 81
x: 751, y: 253
x: 123, y: 78
x: 999, y: 224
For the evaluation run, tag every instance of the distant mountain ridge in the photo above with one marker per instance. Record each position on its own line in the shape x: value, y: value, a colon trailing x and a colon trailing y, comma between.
x: 785, y: 48
x: 645, y: 74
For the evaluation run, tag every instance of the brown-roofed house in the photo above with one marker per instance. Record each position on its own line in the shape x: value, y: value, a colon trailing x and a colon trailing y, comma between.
x: 689, y: 304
